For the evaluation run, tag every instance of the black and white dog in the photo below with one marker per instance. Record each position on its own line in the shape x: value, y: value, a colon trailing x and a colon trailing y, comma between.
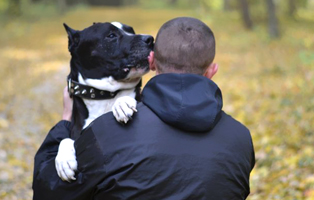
x: 108, y: 61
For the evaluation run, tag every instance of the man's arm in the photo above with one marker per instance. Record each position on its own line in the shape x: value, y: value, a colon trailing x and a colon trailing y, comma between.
x: 49, y: 148
x: 44, y: 170
x: 46, y: 182
x: 44, y: 167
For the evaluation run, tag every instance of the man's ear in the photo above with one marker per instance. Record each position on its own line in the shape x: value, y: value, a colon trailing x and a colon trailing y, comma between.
x: 73, y: 35
x: 211, y: 70
x: 151, y: 61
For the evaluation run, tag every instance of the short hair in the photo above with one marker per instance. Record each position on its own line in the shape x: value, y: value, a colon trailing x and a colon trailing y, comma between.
x: 184, y: 45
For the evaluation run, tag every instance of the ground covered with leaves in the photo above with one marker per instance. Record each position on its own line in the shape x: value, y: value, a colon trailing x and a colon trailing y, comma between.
x: 267, y: 85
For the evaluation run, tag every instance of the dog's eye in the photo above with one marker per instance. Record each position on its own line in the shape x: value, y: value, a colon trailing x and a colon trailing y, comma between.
x: 112, y: 35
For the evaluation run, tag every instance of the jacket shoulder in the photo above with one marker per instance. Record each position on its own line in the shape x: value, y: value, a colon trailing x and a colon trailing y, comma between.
x: 230, y: 123
x: 236, y: 136
x: 108, y: 120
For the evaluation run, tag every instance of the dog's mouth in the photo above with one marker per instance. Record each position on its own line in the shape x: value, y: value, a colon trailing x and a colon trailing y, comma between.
x: 130, y: 80
x: 134, y: 71
x: 136, y: 66
x: 128, y: 67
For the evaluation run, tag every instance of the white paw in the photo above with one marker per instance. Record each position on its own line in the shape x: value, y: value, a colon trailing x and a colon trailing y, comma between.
x: 123, y: 109
x: 65, y: 162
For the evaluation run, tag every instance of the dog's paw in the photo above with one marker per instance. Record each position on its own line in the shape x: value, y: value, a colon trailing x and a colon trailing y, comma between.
x: 124, y: 108
x: 65, y: 162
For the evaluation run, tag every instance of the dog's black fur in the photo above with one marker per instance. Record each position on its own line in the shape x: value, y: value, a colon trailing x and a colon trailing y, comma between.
x: 103, y: 50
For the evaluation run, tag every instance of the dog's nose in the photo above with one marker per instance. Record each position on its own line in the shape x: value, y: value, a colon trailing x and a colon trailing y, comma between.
x: 148, y: 39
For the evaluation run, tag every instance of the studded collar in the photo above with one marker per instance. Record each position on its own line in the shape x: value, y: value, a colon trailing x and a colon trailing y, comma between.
x: 87, y: 92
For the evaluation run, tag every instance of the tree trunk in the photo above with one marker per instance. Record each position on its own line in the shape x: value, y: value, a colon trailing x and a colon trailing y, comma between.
x: 272, y: 19
x: 292, y: 8
x: 227, y: 6
x: 62, y: 6
x: 246, y: 14
x: 173, y: 2
x: 105, y: 2
x: 130, y: 2
x: 14, y: 8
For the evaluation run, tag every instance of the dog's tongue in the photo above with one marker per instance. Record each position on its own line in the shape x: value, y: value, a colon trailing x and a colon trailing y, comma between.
x: 126, y: 69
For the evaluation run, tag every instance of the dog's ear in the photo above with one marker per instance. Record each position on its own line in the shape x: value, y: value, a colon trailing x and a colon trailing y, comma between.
x: 73, y: 35
x: 128, y: 29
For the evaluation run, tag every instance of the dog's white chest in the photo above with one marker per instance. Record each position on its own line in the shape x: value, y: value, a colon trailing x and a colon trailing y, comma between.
x: 97, y: 108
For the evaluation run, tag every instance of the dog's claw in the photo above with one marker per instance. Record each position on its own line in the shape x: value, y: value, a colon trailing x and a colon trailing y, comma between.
x: 121, y: 122
x: 124, y: 108
x: 134, y: 109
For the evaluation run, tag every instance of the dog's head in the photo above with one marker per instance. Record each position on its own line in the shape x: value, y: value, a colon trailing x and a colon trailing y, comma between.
x: 109, y: 49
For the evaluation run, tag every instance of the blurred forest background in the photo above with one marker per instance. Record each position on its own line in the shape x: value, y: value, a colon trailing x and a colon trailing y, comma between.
x: 265, y: 50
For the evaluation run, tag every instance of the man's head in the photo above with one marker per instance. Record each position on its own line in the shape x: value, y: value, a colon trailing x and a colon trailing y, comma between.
x: 184, y: 45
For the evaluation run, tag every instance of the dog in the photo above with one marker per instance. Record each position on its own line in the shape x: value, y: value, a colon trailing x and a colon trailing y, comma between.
x: 107, y: 63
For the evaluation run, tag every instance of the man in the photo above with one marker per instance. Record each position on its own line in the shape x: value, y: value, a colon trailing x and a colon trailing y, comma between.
x: 180, y: 144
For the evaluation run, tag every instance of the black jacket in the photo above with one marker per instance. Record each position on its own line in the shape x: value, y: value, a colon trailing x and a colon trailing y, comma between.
x: 180, y: 145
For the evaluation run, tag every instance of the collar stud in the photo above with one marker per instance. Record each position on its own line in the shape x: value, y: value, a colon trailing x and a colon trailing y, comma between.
x: 88, y: 92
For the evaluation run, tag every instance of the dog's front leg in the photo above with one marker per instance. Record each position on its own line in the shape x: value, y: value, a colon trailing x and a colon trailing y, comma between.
x: 124, y: 108
x: 65, y: 162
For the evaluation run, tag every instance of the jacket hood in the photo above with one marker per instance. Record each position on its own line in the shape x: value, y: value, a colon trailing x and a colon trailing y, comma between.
x: 186, y: 101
